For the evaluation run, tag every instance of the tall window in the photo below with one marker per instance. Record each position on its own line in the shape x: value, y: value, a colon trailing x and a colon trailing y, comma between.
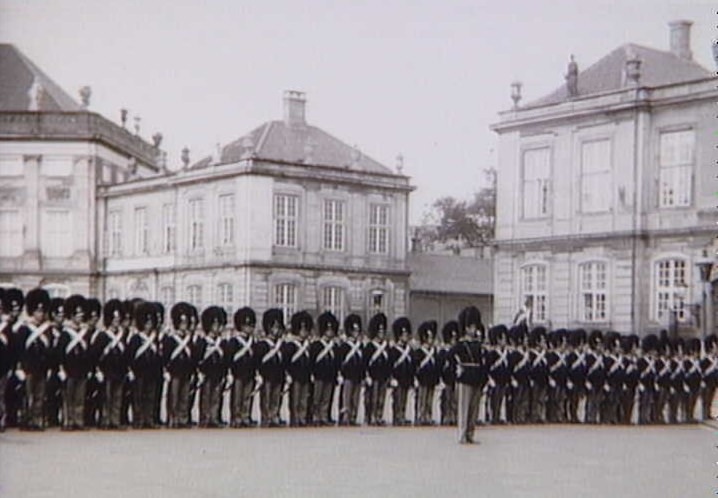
x: 671, y: 289
x: 596, y: 176
x: 333, y: 301
x: 196, y: 224
x: 534, y: 285
x: 379, y: 228
x: 226, y: 220
x: 593, y: 288
x: 376, y: 301
x: 115, y: 240
x: 285, y: 220
x: 141, y: 231
x: 57, y: 233
x: 10, y: 232
x: 333, y: 225
x: 169, y: 228
x: 194, y: 296
x: 536, y: 176
x: 225, y: 298
x: 677, y: 153
x: 285, y: 298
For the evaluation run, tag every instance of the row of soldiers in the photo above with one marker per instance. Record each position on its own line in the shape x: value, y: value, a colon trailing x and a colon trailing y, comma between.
x: 115, y: 365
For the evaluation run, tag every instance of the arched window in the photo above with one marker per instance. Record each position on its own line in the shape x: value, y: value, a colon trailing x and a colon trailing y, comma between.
x: 670, y: 289
x: 333, y: 300
x: 225, y: 298
x: 534, y: 285
x: 593, y: 291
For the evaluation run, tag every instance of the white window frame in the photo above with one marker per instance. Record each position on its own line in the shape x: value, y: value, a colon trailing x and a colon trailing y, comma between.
x: 142, y: 231
x: 534, y: 284
x: 11, y: 233
x: 670, y: 289
x: 195, y: 220
x: 676, y: 165
x: 169, y: 228
x: 596, y: 185
x: 226, y: 220
x: 334, y: 301
x: 114, y: 221
x: 377, y: 296
x: 593, y: 285
x: 334, y: 228
x: 285, y: 298
x: 194, y: 295
x: 535, y: 185
x: 225, y: 297
x: 379, y: 228
x: 56, y: 234
x: 286, y: 220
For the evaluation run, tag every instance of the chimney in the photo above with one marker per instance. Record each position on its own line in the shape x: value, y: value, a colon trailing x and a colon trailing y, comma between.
x: 681, y: 39
x: 294, y: 106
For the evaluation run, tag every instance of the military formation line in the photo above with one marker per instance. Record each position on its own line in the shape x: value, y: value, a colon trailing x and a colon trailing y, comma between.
x: 76, y: 364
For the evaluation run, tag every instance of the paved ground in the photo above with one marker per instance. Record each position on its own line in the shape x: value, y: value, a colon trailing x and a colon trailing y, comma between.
x: 529, y: 461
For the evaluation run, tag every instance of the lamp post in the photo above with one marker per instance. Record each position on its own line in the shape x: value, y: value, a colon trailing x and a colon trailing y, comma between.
x: 704, y: 264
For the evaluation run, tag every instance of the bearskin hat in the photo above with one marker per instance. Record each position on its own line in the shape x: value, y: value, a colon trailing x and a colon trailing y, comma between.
x: 470, y: 316
x: 93, y: 307
x: 37, y: 300
x: 676, y: 345
x: 75, y: 304
x: 537, y: 335
x: 180, y: 312
x: 557, y: 337
x: 145, y: 314
x: 450, y: 331
x: 327, y: 320
x: 353, y: 323
x: 114, y: 308
x: 627, y: 343
x: 212, y: 315
x: 244, y: 316
x: 649, y: 343
x: 301, y: 319
x: 517, y: 334
x: 595, y: 338
x: 375, y: 323
x: 693, y: 346
x: 13, y: 299
x: 401, y: 325
x: 57, y: 307
x: 497, y: 332
x: 710, y: 341
x: 272, y: 317
x: 611, y: 340
x: 160, y: 311
x: 427, y: 330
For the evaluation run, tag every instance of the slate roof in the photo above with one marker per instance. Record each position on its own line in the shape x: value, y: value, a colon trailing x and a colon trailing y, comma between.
x: 658, y: 68
x: 278, y: 141
x: 17, y: 74
x: 450, y: 274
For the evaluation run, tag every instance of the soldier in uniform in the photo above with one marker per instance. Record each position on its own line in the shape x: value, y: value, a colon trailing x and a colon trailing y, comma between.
x: 113, y: 362
x: 663, y: 379
x: 145, y: 361
x: 324, y: 368
x: 472, y: 372
x: 5, y: 357
x: 646, y: 367
x: 35, y: 339
x: 212, y: 366
x: 129, y: 308
x: 13, y: 302
x: 576, y: 382
x: 631, y: 377
x: 497, y: 362
x: 297, y: 364
x: 428, y: 372
x: 557, y: 377
x: 595, y: 377
x: 162, y: 377
x: 539, y: 374
x: 693, y: 378
x: 615, y: 376
x: 95, y: 394
x: 179, y: 362
x: 53, y: 388
x: 76, y: 362
x: 448, y: 402
x: 520, y: 366
x: 242, y: 367
x: 378, y: 370
x: 709, y: 371
x: 402, y: 369
x: 678, y: 390
x: 270, y: 366
x: 352, y: 370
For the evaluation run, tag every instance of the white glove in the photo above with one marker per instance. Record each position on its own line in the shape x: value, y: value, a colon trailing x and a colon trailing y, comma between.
x: 166, y: 376
x: 131, y: 376
x: 589, y: 386
x: 100, y: 376
x: 62, y: 375
x: 20, y: 375
x: 551, y: 382
x: 514, y: 383
x: 368, y: 382
x: 230, y: 380
x: 569, y: 384
x: 393, y: 383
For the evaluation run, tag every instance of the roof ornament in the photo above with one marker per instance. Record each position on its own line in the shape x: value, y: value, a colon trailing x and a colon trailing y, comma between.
x: 399, y: 164
x: 516, y: 93
x: 572, y: 78
x: 633, y: 68
x: 185, y: 158
x: 137, y: 125
x: 35, y: 93
x: 123, y: 117
x: 715, y: 52
x: 247, y: 147
x: 217, y: 156
x: 85, y: 94
x: 356, y: 156
x: 157, y: 139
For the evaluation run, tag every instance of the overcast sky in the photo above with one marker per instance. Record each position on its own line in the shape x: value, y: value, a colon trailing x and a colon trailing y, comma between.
x: 424, y: 78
